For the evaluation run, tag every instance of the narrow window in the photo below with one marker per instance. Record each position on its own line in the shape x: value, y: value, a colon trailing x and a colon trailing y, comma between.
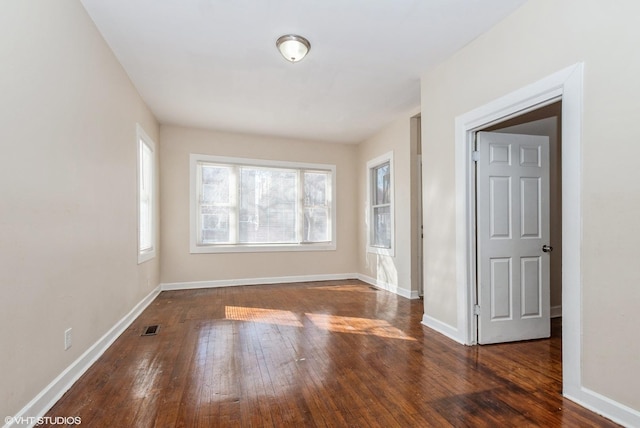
x: 146, y: 197
x: 380, y: 205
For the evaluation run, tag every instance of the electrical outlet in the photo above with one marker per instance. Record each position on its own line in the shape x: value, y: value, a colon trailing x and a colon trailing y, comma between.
x: 67, y: 339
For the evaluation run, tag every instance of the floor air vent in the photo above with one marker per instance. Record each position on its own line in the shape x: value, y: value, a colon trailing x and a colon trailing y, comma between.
x: 150, y: 330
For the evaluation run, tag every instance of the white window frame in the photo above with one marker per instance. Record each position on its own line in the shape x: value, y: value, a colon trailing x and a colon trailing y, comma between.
x: 371, y: 166
x: 143, y: 140
x: 196, y: 248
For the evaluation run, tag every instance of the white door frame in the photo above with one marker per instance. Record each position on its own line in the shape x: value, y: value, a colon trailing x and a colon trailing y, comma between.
x: 567, y: 85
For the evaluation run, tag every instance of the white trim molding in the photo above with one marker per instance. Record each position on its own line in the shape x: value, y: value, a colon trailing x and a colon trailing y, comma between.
x: 387, y: 286
x: 442, y: 328
x: 219, y: 283
x: 598, y: 403
x: 254, y: 281
x: 42, y: 402
x: 566, y: 85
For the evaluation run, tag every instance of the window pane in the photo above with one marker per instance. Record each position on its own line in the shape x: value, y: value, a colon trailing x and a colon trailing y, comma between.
x: 146, y: 171
x: 316, y: 224
x: 382, y: 182
x: 267, y: 206
x: 215, y: 224
x: 145, y: 225
x: 382, y: 227
x: 215, y: 184
x: 315, y: 188
x: 145, y: 198
x: 316, y: 210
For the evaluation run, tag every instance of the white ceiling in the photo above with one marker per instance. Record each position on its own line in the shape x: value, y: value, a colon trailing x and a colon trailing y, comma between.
x: 213, y: 63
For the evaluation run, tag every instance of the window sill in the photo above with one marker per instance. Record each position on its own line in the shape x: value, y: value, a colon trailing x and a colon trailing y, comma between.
x: 381, y: 251
x: 212, y: 249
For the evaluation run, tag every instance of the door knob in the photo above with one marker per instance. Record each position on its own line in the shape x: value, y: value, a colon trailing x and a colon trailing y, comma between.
x: 547, y: 248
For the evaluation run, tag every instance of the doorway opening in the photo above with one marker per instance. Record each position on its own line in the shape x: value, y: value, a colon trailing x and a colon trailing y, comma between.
x: 545, y: 121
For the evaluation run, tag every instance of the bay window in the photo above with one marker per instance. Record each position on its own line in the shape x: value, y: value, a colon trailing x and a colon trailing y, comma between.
x: 256, y: 205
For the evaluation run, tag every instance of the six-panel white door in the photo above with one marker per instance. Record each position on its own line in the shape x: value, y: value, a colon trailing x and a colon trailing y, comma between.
x: 512, y: 228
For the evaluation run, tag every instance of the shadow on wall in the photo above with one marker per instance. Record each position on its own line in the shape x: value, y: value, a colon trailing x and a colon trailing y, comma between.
x: 381, y: 267
x: 386, y: 271
x: 439, y: 264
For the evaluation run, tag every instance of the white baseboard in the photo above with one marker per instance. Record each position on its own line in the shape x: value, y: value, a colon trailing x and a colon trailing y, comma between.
x: 610, y: 409
x: 254, y: 281
x: 442, y: 328
x: 556, y: 311
x: 285, y: 280
x: 39, y: 406
x: 452, y: 332
x: 388, y: 287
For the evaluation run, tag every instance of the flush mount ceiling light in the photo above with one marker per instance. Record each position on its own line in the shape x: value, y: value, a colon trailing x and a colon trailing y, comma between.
x: 293, y: 48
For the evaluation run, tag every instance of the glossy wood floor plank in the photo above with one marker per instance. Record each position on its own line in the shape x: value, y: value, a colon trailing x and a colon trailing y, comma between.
x: 326, y: 354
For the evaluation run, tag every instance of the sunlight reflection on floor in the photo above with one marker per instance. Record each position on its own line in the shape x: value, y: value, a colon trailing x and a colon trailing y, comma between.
x: 340, y: 324
x: 268, y: 316
x: 333, y: 323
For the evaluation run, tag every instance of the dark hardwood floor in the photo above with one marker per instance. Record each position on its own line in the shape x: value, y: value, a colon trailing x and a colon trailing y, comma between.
x: 324, y: 354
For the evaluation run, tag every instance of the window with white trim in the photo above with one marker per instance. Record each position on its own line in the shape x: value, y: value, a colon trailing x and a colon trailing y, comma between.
x: 146, y: 197
x: 380, y: 205
x: 256, y: 205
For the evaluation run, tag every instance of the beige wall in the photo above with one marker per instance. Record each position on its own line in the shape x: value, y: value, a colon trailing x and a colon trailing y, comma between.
x: 542, y: 37
x: 68, y: 225
x: 178, y: 265
x: 391, y: 272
